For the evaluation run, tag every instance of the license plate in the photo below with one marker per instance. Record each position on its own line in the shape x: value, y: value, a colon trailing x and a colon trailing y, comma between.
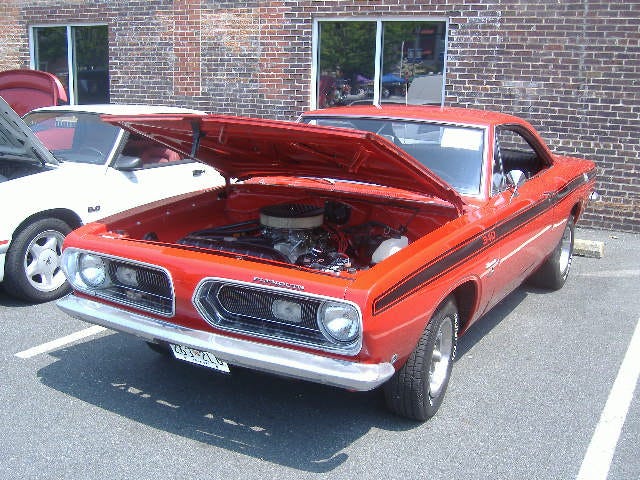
x: 198, y: 357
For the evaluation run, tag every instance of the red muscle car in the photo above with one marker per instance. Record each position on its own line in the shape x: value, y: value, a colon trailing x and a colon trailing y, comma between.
x: 350, y: 248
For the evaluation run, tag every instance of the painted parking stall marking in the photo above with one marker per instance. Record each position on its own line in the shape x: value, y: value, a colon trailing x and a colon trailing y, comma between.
x: 60, y: 342
x: 597, y: 460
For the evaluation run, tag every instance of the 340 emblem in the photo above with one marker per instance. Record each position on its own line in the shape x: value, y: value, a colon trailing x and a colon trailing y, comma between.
x: 489, y: 237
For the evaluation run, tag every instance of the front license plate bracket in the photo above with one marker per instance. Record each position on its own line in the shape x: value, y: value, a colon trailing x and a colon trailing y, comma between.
x: 198, y: 357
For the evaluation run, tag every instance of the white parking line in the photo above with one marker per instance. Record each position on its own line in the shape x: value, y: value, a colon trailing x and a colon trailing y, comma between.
x: 60, y: 342
x: 597, y: 460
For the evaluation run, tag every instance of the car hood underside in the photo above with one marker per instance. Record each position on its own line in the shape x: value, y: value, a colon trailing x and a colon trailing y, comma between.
x: 247, y: 147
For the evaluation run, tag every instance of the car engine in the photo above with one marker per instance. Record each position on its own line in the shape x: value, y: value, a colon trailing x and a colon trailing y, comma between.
x: 306, y: 235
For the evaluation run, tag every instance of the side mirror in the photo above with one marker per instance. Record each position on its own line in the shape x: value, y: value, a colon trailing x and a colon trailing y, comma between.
x: 127, y: 163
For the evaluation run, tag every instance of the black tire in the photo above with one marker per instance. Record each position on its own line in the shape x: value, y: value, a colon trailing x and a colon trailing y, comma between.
x: 417, y: 389
x: 32, y: 267
x: 553, y: 273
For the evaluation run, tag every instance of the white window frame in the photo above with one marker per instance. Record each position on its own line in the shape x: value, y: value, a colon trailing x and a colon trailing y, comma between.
x: 70, y: 51
x: 379, y: 21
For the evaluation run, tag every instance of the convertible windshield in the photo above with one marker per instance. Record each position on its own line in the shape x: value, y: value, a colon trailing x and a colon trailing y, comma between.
x: 74, y: 136
x: 453, y: 153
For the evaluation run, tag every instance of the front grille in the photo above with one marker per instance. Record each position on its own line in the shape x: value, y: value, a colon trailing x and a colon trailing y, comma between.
x: 151, y: 290
x: 249, y: 309
x: 242, y: 302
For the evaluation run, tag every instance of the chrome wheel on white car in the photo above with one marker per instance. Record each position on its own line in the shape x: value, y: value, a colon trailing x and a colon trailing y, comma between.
x: 42, y: 261
x: 32, y: 269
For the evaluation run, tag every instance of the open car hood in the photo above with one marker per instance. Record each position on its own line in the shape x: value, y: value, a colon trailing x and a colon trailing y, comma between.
x: 247, y: 147
x: 17, y: 140
x: 25, y: 89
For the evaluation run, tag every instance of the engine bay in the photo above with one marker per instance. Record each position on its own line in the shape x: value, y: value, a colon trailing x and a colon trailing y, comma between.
x: 305, y: 234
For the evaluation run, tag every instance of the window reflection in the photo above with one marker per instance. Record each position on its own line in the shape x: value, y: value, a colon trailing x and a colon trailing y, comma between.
x: 411, y: 62
x: 91, y: 64
x: 51, y: 52
x: 89, y: 67
x: 346, y: 62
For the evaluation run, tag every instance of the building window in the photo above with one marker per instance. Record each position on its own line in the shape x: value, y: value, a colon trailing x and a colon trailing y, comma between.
x: 78, y: 56
x: 381, y: 61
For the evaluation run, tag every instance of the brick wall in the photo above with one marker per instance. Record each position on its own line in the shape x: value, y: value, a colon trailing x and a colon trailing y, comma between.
x: 13, y: 39
x: 570, y: 67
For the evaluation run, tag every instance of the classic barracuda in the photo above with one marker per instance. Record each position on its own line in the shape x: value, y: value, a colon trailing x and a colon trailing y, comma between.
x: 350, y: 248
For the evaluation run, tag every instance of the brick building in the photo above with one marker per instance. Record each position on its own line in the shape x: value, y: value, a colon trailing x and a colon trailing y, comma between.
x: 571, y: 67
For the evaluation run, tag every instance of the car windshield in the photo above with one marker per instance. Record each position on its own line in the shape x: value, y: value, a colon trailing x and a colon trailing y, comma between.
x: 74, y: 136
x: 453, y: 153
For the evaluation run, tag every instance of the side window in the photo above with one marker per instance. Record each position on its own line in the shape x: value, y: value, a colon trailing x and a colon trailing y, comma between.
x: 513, y: 152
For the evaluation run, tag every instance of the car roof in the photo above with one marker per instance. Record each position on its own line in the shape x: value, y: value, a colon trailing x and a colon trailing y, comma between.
x: 118, y: 109
x: 420, y: 112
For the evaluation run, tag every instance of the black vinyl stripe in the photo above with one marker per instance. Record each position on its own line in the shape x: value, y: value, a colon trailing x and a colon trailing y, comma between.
x: 473, y: 247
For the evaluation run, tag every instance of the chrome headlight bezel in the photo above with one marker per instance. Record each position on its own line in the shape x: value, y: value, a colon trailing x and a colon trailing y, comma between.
x: 280, y: 328
x: 339, y: 321
x: 99, y: 275
x: 92, y: 270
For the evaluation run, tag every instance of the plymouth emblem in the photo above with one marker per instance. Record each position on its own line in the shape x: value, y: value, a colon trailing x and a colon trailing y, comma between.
x: 277, y: 283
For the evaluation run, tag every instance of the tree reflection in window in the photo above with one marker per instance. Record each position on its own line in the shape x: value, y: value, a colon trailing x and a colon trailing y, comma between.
x: 411, y: 62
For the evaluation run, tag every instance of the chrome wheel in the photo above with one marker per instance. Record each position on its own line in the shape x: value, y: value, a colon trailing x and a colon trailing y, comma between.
x: 42, y: 261
x: 441, y: 357
x: 554, y: 271
x: 417, y: 389
x: 566, y: 250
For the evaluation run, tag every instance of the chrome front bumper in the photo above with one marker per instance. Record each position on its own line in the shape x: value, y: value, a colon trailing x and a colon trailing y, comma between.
x: 244, y: 353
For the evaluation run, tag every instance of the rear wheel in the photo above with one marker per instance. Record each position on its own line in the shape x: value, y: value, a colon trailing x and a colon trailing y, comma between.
x: 32, y: 266
x: 417, y: 389
x: 553, y: 273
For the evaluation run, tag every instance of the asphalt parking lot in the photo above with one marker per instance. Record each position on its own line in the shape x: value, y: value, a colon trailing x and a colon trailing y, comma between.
x: 543, y: 385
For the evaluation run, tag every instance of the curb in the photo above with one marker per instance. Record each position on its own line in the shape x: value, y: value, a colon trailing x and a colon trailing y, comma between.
x: 588, y: 248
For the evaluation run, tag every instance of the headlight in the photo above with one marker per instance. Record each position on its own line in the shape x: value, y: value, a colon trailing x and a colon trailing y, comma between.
x: 119, y: 280
x: 92, y: 270
x: 339, y: 321
x: 127, y: 275
x: 287, y: 310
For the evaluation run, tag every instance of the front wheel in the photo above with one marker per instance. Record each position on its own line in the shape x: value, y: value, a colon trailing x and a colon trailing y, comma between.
x: 417, y: 389
x: 32, y: 266
x: 553, y: 273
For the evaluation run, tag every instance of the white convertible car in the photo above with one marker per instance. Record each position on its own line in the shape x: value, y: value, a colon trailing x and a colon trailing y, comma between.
x: 70, y: 168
